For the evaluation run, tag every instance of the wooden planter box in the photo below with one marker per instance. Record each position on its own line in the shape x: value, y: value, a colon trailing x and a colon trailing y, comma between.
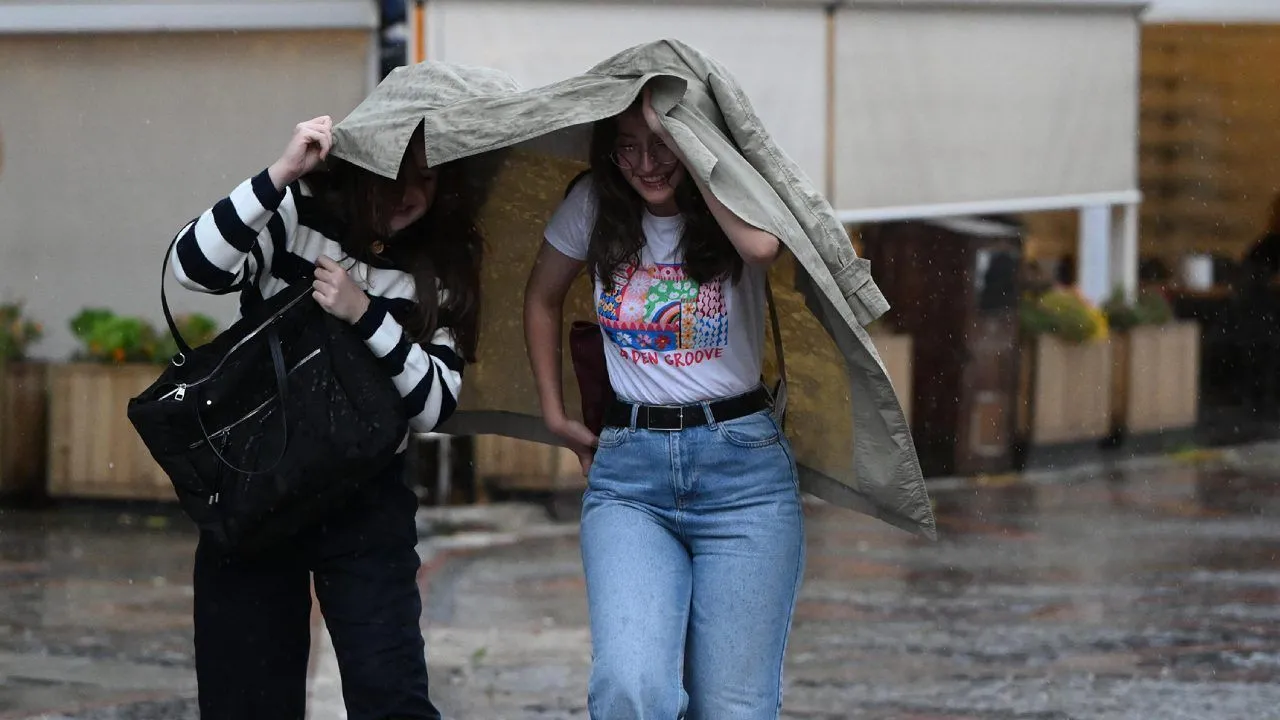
x: 896, y: 353
x: 94, y: 451
x: 513, y: 465
x: 23, y: 429
x: 1066, y: 392
x: 1156, y: 378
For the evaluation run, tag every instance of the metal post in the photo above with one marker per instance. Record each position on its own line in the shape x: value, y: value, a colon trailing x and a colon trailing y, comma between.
x: 444, y: 465
x: 444, y: 470
x: 1093, y: 254
x: 1124, y: 250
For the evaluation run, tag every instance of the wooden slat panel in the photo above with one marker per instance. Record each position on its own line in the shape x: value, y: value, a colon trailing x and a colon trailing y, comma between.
x: 1163, y: 376
x: 23, y: 422
x: 1208, y: 112
x: 94, y: 451
x: 521, y: 465
x: 1072, y: 400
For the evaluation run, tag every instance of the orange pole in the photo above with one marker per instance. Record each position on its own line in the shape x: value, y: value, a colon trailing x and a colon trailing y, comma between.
x: 418, y: 19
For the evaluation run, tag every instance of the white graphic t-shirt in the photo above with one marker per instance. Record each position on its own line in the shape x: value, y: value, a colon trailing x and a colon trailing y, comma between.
x: 668, y: 339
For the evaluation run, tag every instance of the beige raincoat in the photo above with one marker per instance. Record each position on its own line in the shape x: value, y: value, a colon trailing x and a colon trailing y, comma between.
x: 851, y: 440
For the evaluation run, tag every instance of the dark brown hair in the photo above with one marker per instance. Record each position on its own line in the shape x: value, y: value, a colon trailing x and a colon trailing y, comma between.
x: 618, y: 236
x: 442, y: 250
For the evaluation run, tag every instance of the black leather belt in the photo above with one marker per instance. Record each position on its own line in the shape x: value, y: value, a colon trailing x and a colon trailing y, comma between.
x: 672, y: 418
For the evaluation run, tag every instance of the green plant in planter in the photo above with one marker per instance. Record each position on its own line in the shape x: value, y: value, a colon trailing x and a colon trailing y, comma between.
x: 1064, y: 314
x: 1154, y: 308
x: 196, y: 329
x: 17, y: 333
x: 1150, y: 308
x: 110, y: 338
x: 1121, y: 314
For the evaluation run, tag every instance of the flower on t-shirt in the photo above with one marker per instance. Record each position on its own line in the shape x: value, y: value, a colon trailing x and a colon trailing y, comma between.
x: 665, y: 292
x: 631, y: 308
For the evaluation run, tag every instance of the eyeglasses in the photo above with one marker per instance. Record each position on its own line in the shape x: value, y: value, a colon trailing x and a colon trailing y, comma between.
x: 630, y: 157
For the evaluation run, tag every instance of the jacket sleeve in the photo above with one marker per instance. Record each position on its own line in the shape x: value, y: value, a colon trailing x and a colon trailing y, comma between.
x: 763, y: 183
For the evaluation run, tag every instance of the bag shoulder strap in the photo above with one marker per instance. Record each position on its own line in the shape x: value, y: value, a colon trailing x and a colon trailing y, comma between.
x: 780, y: 393
x: 183, y: 348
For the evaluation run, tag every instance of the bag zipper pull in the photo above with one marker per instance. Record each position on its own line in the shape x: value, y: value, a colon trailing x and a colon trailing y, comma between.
x: 180, y: 393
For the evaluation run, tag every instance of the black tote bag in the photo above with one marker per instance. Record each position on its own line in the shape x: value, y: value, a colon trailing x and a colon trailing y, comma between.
x: 267, y: 429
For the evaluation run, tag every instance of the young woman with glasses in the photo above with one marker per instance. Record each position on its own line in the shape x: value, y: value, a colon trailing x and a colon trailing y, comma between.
x: 692, y: 529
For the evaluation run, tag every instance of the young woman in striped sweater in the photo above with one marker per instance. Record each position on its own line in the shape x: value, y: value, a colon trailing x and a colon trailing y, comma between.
x: 399, y: 260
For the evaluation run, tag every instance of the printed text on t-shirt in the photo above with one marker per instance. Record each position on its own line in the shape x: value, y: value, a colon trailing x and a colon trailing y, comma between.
x: 656, y: 314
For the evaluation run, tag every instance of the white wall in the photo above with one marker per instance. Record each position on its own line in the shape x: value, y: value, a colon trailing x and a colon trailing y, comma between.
x: 983, y: 105
x: 1213, y: 11
x: 778, y: 54
x: 34, y: 16
x: 112, y: 142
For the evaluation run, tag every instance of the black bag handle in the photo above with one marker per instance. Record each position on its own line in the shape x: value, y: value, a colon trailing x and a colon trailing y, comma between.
x: 183, y: 348
x: 780, y: 390
x: 273, y: 343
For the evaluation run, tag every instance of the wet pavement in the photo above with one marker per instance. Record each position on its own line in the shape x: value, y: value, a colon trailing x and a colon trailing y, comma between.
x: 1147, y: 592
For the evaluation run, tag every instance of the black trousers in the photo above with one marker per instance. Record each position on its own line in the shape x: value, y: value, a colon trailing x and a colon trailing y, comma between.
x: 253, y: 615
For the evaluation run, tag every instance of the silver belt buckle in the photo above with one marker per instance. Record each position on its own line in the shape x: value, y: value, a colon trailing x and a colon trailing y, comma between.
x: 676, y: 428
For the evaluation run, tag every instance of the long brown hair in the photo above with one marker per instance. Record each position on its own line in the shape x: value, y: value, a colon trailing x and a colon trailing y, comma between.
x: 618, y: 235
x: 442, y: 251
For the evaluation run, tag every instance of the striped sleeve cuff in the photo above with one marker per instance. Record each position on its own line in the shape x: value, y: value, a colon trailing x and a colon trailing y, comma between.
x: 371, y: 320
x: 385, y: 337
x: 266, y: 191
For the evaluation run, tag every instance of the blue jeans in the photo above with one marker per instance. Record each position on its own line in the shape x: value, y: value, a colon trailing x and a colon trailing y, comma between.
x: 693, y: 546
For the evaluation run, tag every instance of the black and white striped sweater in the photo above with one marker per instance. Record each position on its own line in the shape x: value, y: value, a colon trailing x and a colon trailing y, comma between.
x: 285, y: 232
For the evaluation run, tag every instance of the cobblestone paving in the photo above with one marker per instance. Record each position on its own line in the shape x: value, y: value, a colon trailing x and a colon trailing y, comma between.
x: 1151, y: 593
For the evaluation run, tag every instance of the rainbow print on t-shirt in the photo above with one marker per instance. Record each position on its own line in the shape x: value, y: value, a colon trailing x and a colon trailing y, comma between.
x: 658, y: 308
